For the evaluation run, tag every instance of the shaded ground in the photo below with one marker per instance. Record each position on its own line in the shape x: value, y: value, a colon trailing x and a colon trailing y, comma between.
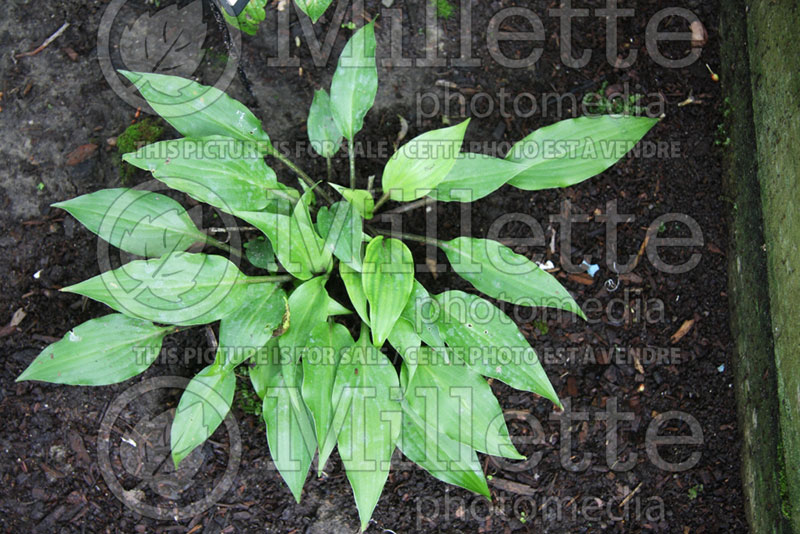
x: 53, y: 104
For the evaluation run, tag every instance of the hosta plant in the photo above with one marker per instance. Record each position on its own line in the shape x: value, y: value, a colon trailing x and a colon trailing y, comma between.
x: 385, y: 364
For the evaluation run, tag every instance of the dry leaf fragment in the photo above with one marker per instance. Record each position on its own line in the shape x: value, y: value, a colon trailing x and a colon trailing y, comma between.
x: 682, y: 331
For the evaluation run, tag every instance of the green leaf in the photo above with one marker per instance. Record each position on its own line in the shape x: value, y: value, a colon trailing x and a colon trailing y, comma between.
x: 203, y: 406
x: 260, y: 254
x: 490, y: 343
x: 419, y: 312
x: 249, y: 19
x: 361, y: 199
x: 474, y: 176
x: 364, y: 391
x: 140, y: 222
x: 459, y: 403
x: 355, y: 290
x: 308, y: 308
x: 266, y: 365
x: 388, y: 279
x: 246, y: 330
x: 197, y: 110
x: 325, y: 136
x: 421, y: 164
x: 355, y: 82
x: 327, y: 342
x: 573, y: 150
x: 180, y: 288
x: 88, y: 356
x: 217, y: 170
x: 336, y: 308
x: 499, y: 272
x: 342, y: 229
x: 406, y: 342
x: 313, y: 8
x: 295, y: 242
x: 290, y: 433
x: 444, y: 458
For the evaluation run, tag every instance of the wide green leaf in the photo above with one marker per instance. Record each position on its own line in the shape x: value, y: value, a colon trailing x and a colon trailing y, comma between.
x: 419, y: 312
x: 217, y: 170
x: 325, y: 136
x: 89, y: 356
x: 140, y: 222
x: 368, y: 419
x: 248, y: 329
x: 445, y: 458
x: 313, y: 8
x: 388, y: 279
x: 197, y: 110
x: 459, y: 403
x: 501, y: 273
x: 203, y: 406
x: 265, y: 366
x: 308, y: 307
x: 326, y: 343
x: 355, y: 290
x: 474, y: 176
x: 260, y: 254
x: 421, y: 164
x: 406, y: 342
x: 297, y: 245
x: 361, y: 199
x: 290, y: 432
x: 355, y: 82
x: 490, y: 343
x: 342, y: 229
x: 180, y: 288
x: 573, y: 150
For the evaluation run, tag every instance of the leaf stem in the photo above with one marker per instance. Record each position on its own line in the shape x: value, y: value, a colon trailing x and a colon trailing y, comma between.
x: 299, y: 172
x: 330, y: 168
x: 223, y: 246
x: 381, y: 201
x: 402, y: 235
x: 267, y: 279
x: 351, y: 157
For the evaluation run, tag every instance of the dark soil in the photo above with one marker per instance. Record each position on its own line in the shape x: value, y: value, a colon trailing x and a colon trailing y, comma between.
x: 52, y: 104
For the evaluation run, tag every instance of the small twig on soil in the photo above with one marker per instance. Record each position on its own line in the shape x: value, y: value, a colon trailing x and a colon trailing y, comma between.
x: 46, y: 42
x: 228, y: 229
x: 421, y: 203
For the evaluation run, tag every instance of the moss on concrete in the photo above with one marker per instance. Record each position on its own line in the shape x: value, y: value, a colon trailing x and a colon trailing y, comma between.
x: 772, y: 31
x: 761, y: 55
x: 754, y: 370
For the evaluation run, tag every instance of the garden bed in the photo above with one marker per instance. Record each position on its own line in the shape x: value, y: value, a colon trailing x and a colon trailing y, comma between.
x: 58, y: 100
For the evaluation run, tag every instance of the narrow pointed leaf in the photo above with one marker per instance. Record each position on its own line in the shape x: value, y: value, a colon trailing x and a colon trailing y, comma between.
x: 327, y: 342
x: 140, y: 222
x: 490, y: 342
x: 474, y: 176
x: 364, y: 391
x: 197, y: 110
x: 421, y: 164
x: 406, y: 342
x: 499, y: 272
x: 445, y: 458
x: 88, y: 356
x: 460, y: 404
x: 290, y: 433
x: 342, y: 229
x: 246, y: 330
x: 388, y: 279
x: 180, y: 288
x: 265, y: 366
x: 573, y: 150
x: 355, y: 290
x: 223, y: 172
x: 203, y: 406
x: 361, y: 199
x: 355, y: 82
x: 325, y: 136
